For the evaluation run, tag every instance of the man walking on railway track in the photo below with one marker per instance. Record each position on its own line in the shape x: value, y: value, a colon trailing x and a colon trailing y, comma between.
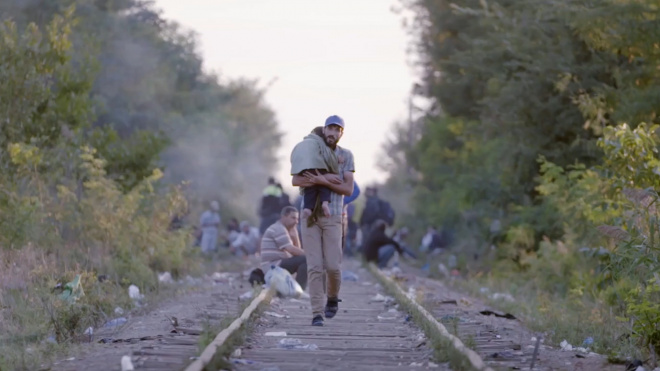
x: 322, y: 240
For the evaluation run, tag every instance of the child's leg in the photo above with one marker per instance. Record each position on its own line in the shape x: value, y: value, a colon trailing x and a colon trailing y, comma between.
x: 324, y: 196
x: 309, y: 200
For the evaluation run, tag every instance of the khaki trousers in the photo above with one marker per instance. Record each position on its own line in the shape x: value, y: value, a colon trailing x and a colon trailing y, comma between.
x: 322, y: 244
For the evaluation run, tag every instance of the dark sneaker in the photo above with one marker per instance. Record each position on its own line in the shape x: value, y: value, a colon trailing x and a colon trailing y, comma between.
x: 331, y: 307
x: 317, y: 321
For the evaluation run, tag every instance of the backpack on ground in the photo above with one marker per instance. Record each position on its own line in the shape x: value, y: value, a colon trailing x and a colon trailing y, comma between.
x: 257, y: 277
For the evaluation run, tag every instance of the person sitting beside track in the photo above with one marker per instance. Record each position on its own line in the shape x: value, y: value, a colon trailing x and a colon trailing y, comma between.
x: 280, y: 245
x: 379, y: 248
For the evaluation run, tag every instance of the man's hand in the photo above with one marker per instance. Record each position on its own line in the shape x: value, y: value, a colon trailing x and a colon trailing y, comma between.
x: 333, y: 178
x: 315, y: 177
x: 320, y: 179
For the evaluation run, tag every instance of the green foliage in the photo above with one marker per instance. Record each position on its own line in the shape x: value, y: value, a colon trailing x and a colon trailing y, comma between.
x: 41, y: 96
x: 96, y: 100
x: 644, y: 309
x: 631, y: 155
x: 129, y: 160
x: 543, y: 119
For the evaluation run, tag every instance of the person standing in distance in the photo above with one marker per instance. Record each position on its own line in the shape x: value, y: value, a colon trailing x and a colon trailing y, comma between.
x: 322, y: 240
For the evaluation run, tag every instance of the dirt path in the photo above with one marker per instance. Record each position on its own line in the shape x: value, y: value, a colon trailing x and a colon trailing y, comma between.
x: 149, y: 337
x: 502, y: 343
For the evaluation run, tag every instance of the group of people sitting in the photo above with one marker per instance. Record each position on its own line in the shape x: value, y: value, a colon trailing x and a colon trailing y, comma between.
x: 242, y: 238
x: 280, y: 243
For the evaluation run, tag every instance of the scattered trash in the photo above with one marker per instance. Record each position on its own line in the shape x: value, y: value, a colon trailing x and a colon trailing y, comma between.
x: 452, y: 262
x: 390, y: 315
x: 412, y: 293
x: 588, y: 341
x: 72, y: 290
x: 126, y: 364
x: 380, y: 298
x: 276, y: 315
x: 634, y: 365
x: 115, y: 322
x: 416, y: 364
x: 237, y: 353
x: 241, y: 361
x: 442, y: 269
x: 134, y: 293
x: 349, y: 276
x: 503, y: 354
x: 247, y: 295
x: 165, y: 277
x: 51, y: 339
x: 119, y: 311
x: 566, y: 346
x: 275, y: 333
x: 450, y: 318
x: 221, y: 277
x: 487, y: 312
x: 290, y: 343
x: 89, y: 331
x: 283, y: 282
x: 192, y: 281
x: 408, y: 318
x: 498, y: 336
x: 502, y: 296
x: 71, y: 359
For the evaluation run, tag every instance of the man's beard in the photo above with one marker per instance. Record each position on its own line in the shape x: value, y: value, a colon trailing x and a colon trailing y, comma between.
x: 331, y: 145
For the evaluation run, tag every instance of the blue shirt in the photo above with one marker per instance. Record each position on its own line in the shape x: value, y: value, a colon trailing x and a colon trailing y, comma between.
x: 356, y: 193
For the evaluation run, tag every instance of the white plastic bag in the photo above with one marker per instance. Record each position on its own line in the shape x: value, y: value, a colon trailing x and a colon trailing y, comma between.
x: 282, y: 281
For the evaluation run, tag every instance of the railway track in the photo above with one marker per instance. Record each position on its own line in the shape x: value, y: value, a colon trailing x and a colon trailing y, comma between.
x: 500, y: 339
x: 377, y: 328
x: 167, y: 338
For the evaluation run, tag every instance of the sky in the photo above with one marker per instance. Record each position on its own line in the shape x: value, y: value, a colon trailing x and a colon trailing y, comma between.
x: 317, y: 58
